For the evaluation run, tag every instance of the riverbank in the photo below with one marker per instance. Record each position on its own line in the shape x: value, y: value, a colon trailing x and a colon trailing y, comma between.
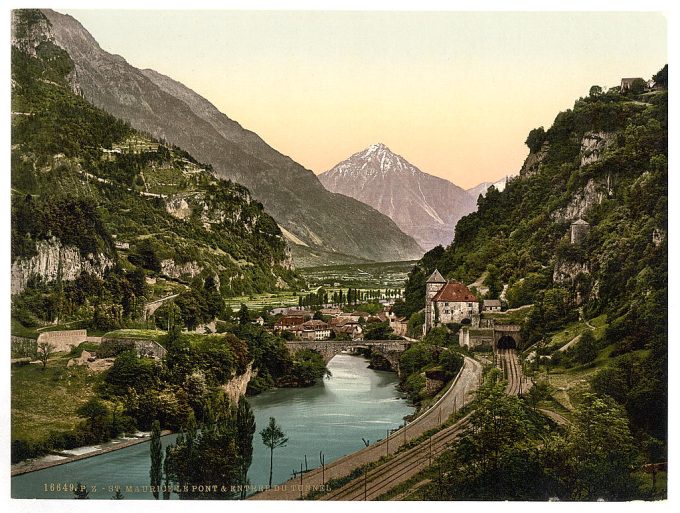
x: 79, y: 453
x: 459, y: 393
x: 332, y: 417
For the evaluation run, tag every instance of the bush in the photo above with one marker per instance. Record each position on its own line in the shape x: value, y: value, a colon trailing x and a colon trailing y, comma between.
x: 130, y: 371
x: 110, y: 348
x: 585, y: 350
x: 451, y: 362
x: 24, y: 449
x: 535, y: 139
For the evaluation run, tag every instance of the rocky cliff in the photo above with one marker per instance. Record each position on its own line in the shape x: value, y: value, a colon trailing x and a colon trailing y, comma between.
x: 55, y: 261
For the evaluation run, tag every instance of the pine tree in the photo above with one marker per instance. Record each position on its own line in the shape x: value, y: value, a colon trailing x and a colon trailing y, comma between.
x: 245, y: 429
x: 156, y: 452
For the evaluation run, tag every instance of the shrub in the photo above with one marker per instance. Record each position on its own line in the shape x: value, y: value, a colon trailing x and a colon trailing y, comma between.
x: 110, y: 348
x: 24, y: 449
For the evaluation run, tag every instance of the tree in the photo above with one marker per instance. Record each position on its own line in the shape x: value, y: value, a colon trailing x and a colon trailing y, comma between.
x: 166, y: 472
x: 273, y: 437
x: 243, y: 315
x: 585, y: 351
x: 601, y: 452
x: 661, y: 77
x: 208, y: 455
x: 595, y: 91
x: 45, y: 350
x: 96, y: 412
x: 156, y: 453
x: 493, y: 281
x: 214, y: 300
x: 535, y: 139
x: 245, y: 429
x: 193, y: 308
x: 637, y: 86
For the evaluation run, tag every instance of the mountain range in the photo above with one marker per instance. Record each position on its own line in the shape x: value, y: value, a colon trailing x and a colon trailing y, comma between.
x: 425, y: 207
x: 93, y: 199
x: 317, y: 223
x: 499, y: 185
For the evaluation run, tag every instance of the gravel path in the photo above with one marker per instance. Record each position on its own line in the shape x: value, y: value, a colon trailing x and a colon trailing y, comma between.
x: 460, y: 393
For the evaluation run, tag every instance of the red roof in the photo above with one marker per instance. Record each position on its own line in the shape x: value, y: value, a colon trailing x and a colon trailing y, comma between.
x: 454, y: 292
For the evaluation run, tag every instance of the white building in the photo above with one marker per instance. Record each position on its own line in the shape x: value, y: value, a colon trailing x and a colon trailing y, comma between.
x: 313, y: 330
x: 447, y: 302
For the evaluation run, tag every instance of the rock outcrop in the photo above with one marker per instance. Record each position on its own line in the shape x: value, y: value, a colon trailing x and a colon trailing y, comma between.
x: 236, y: 386
x: 593, y: 145
x: 55, y: 261
x: 171, y: 269
x: 581, y: 203
x: 532, y: 164
x: 566, y: 272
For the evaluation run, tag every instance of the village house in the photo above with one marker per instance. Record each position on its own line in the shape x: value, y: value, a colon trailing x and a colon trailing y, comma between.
x: 312, y: 330
x: 491, y: 305
x: 399, y: 325
x: 352, y: 330
x: 448, y: 302
x: 627, y: 83
x: 288, y: 322
x: 333, y: 312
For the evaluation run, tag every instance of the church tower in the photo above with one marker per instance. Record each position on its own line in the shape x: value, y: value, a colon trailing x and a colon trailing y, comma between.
x: 433, y: 285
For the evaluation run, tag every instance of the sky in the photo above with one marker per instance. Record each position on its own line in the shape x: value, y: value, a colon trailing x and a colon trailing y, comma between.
x: 455, y: 93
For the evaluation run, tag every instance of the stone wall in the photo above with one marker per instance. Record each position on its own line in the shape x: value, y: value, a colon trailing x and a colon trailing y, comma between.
x: 63, y: 340
x: 144, y: 347
x: 475, y: 337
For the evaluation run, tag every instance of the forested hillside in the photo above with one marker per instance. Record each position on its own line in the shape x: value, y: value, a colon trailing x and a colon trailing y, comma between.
x: 603, y: 162
x: 101, y: 211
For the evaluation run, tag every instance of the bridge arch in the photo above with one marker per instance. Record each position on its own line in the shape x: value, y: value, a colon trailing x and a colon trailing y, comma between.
x: 390, y: 350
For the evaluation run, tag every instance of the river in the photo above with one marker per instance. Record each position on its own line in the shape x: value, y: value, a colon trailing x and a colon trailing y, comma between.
x: 332, y: 416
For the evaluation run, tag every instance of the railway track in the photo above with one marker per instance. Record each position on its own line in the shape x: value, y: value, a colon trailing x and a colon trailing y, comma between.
x: 382, y: 479
x: 405, y: 465
x: 509, y: 363
x: 459, y: 394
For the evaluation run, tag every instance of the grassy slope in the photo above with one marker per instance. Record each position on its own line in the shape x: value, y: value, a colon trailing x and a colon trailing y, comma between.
x: 43, y: 401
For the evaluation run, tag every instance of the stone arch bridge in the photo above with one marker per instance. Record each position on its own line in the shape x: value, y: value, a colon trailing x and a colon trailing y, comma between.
x: 391, y: 350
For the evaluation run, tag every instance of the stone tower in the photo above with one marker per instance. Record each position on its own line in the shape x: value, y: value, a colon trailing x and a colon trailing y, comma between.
x: 433, y: 285
x: 579, y: 231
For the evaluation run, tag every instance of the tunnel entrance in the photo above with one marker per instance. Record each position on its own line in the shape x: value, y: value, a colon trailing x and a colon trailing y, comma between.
x: 506, y: 342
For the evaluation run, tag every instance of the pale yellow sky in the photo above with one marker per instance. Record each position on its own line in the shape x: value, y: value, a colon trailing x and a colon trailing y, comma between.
x: 454, y: 93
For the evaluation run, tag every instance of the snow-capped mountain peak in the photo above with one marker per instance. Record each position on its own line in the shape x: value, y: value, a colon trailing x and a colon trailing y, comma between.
x: 423, y: 206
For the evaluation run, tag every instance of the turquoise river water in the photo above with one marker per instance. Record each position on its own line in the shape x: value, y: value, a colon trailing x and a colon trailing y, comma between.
x: 333, y: 416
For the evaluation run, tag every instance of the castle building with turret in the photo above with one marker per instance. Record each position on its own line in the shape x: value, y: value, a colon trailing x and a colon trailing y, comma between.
x: 447, y: 302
